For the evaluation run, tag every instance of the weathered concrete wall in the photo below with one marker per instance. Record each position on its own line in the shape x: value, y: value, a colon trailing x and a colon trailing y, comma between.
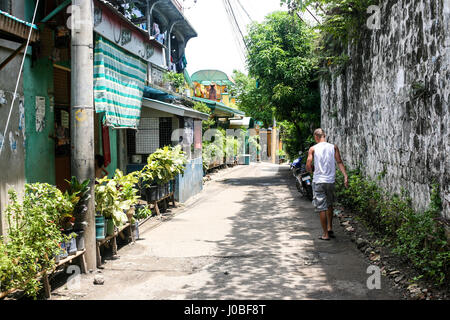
x: 191, y: 182
x: 12, y: 171
x: 370, y: 112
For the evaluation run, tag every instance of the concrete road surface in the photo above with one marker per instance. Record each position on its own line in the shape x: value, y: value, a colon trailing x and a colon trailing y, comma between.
x: 248, y: 235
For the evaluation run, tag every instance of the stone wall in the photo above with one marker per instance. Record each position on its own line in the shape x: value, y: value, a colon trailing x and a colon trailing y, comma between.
x: 370, y: 112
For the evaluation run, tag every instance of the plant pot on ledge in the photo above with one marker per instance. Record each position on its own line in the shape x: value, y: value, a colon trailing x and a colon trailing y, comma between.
x: 110, y: 227
x: 152, y: 193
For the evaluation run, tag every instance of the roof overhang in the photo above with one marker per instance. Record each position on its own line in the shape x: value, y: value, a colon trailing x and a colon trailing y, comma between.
x: 17, y: 30
x: 207, y: 77
x: 246, y: 122
x: 129, y: 23
x: 173, y: 109
x: 167, y: 10
x: 221, y: 110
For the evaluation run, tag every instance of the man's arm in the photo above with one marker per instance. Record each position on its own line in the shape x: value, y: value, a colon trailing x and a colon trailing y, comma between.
x: 309, y: 161
x: 340, y: 163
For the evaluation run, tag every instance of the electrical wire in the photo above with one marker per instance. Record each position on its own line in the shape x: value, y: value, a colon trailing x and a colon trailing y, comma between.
x: 239, y: 2
x: 238, y: 27
x: 18, y: 78
x: 235, y: 30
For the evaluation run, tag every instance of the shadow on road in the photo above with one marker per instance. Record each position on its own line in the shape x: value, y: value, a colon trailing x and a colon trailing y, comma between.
x: 273, y: 250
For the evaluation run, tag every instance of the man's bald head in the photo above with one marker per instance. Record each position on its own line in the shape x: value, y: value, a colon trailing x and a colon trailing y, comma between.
x: 319, y: 133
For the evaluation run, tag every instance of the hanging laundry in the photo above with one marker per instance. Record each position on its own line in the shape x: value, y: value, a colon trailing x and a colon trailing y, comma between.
x: 155, y: 30
x: 160, y: 38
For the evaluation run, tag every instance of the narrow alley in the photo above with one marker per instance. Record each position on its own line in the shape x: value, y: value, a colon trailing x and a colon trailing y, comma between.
x: 248, y: 235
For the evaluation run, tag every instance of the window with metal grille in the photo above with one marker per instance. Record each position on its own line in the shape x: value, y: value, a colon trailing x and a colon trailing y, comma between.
x: 131, y: 142
x: 165, y: 132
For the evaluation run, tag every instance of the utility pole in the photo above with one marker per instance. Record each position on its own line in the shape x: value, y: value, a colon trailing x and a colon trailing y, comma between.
x: 82, y: 114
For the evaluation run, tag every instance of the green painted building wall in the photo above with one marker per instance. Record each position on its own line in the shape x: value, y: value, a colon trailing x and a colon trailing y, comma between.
x: 39, y: 147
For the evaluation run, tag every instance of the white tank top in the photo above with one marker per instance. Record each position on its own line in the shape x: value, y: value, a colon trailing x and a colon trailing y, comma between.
x: 324, y: 163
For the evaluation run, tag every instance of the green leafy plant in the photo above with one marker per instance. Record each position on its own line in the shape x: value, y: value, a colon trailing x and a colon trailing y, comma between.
x: 143, y: 213
x: 202, y: 107
x: 33, y: 237
x: 164, y: 165
x: 176, y: 80
x: 415, y: 235
x: 79, y: 195
x: 126, y: 185
x: 109, y: 201
x: 281, y: 153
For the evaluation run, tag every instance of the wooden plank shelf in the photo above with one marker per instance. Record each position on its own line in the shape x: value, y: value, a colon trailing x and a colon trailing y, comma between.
x: 170, y: 197
x: 113, y: 239
x: 43, y: 275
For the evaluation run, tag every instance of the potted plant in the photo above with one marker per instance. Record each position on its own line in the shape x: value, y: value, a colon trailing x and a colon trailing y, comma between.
x: 128, y: 192
x: 162, y: 167
x: 34, y: 235
x: 109, y: 201
x: 79, y: 193
x: 100, y: 227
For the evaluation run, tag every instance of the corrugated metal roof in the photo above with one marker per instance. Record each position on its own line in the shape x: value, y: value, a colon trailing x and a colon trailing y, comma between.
x: 17, y: 27
x: 223, y: 109
x: 174, y: 109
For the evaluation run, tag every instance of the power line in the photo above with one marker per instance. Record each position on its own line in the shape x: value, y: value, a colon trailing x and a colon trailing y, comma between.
x: 239, y: 2
x: 234, y: 17
x: 312, y: 15
x: 18, y: 77
x: 235, y: 29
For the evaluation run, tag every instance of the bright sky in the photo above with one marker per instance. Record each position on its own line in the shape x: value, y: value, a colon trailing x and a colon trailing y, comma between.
x: 216, y: 47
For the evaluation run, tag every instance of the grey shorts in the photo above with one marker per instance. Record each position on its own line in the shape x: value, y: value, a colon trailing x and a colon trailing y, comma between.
x: 323, y: 196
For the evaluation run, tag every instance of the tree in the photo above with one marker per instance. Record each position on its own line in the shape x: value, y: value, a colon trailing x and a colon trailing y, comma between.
x: 281, y: 57
x: 250, y: 99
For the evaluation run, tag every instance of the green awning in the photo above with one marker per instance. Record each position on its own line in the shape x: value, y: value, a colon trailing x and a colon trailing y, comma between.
x: 188, y: 78
x: 207, y: 77
x: 174, y: 109
x: 220, y: 109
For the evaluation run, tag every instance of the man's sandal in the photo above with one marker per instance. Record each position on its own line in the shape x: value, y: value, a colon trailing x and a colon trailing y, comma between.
x: 331, y: 234
x: 322, y: 238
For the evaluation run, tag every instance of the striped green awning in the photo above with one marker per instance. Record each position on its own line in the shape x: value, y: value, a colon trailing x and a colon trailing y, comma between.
x: 119, y: 79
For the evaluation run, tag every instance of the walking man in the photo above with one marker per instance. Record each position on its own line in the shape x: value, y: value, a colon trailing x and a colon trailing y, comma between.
x: 324, y: 155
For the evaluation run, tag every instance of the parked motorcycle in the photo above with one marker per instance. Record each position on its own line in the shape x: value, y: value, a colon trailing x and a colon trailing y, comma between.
x: 303, y: 179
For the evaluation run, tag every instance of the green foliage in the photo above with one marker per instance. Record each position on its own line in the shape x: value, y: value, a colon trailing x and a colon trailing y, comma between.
x: 164, y: 165
x: 253, y: 141
x: 281, y: 56
x: 250, y: 99
x: 109, y: 202
x: 224, y: 147
x: 142, y: 213
x: 176, y: 80
x: 202, y: 107
x: 126, y: 185
x: 342, y: 19
x: 78, y: 194
x: 33, y: 236
x: 281, y: 153
x: 415, y: 235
